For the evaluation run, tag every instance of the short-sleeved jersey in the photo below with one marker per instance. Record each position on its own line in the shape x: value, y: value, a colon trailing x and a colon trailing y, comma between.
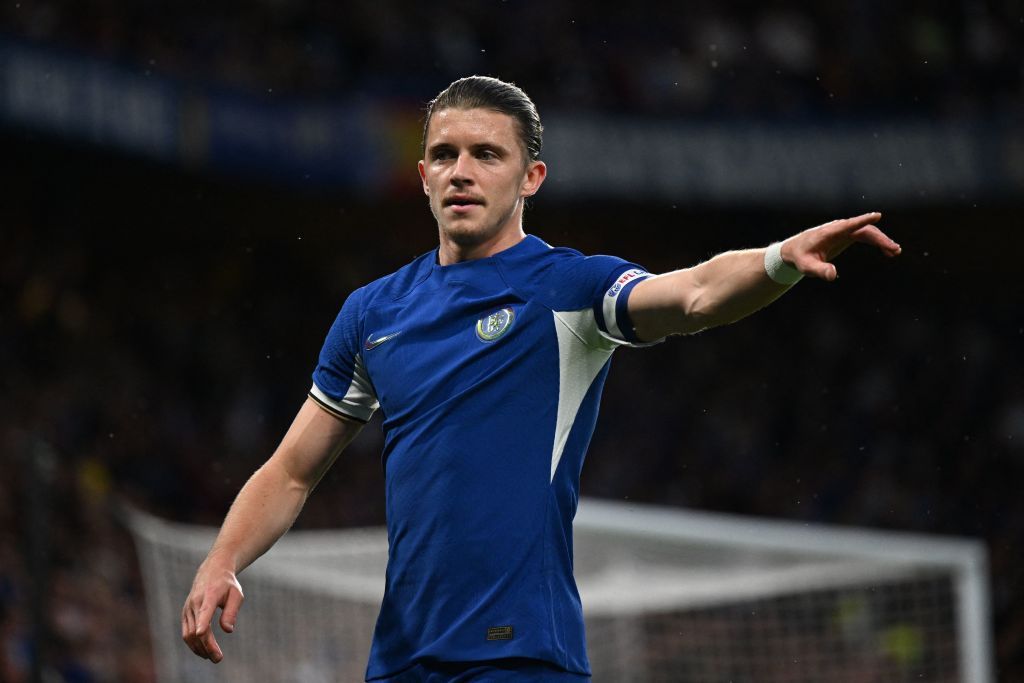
x: 488, y: 374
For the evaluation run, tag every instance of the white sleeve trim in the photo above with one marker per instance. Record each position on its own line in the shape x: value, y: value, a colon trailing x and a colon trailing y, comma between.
x: 359, y: 402
x: 608, y: 309
x: 611, y: 299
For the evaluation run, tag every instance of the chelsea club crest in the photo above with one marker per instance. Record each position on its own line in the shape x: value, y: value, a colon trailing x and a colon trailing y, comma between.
x: 496, y: 324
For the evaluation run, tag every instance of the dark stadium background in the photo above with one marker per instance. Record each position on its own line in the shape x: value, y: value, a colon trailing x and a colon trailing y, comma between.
x: 163, y: 304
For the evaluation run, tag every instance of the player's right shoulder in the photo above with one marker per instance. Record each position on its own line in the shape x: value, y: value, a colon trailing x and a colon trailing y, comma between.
x: 348, y: 327
x: 395, y: 285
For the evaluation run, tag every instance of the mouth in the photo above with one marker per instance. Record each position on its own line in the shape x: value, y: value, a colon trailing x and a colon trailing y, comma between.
x: 462, y: 203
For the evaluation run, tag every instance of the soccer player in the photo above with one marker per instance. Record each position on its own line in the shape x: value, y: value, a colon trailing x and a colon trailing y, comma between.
x: 487, y: 357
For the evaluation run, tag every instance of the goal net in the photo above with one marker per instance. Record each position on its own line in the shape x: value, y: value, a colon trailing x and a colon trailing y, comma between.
x: 669, y: 596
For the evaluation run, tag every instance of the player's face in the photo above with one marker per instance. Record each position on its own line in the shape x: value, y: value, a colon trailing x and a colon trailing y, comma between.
x: 476, y: 175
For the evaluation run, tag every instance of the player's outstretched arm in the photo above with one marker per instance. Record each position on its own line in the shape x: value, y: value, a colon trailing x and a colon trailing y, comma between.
x: 263, y: 511
x: 733, y: 285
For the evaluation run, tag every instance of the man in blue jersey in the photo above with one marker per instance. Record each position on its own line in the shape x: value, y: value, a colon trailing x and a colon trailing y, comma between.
x: 486, y: 357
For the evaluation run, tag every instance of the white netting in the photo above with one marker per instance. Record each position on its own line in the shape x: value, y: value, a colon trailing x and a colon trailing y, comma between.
x: 669, y: 596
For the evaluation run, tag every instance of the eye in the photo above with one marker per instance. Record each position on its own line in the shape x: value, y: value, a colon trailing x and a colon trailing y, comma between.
x: 487, y: 155
x: 441, y: 154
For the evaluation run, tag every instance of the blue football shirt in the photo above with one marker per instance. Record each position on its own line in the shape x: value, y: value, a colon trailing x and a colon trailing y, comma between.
x: 488, y: 374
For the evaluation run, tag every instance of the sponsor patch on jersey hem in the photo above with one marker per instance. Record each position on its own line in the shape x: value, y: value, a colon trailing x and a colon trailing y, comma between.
x: 499, y: 633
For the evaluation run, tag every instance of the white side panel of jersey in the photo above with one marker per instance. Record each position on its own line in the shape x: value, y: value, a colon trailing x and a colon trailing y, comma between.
x: 360, y: 401
x: 582, y: 352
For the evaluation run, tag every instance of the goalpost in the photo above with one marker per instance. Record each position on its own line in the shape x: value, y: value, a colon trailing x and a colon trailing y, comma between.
x: 669, y: 596
x: 714, y: 598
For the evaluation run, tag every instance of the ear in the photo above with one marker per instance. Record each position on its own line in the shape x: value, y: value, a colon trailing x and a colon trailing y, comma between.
x: 536, y: 171
x: 421, y: 167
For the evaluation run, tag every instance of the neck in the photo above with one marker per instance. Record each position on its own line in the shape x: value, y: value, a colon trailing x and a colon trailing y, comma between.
x: 451, y: 251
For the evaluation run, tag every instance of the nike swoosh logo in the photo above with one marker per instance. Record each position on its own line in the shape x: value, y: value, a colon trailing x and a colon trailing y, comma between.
x: 372, y: 343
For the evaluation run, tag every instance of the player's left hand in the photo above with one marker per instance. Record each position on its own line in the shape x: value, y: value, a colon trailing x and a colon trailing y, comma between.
x: 812, y: 250
x: 215, y: 585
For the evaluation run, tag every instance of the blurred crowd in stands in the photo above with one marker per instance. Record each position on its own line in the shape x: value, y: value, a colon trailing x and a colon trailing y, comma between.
x: 158, y: 330
x: 159, y: 333
x: 950, y: 59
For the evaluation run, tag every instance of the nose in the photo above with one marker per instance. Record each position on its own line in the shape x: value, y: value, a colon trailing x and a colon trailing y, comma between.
x: 462, y: 171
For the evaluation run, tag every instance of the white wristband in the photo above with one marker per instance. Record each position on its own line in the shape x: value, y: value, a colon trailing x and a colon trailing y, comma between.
x: 777, y: 269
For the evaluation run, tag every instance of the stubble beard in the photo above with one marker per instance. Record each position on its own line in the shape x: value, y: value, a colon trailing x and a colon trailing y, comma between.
x: 472, y: 235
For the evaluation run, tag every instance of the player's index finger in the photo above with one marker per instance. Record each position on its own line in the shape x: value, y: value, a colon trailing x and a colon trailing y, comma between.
x: 860, y: 221
x: 845, y: 227
x: 204, y: 616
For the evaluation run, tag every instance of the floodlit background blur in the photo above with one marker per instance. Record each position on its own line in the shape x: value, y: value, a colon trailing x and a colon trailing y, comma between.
x: 190, y: 190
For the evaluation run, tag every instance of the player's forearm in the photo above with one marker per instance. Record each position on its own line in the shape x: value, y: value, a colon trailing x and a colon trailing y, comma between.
x: 731, y: 286
x: 719, y: 291
x: 263, y: 511
x: 270, y: 501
